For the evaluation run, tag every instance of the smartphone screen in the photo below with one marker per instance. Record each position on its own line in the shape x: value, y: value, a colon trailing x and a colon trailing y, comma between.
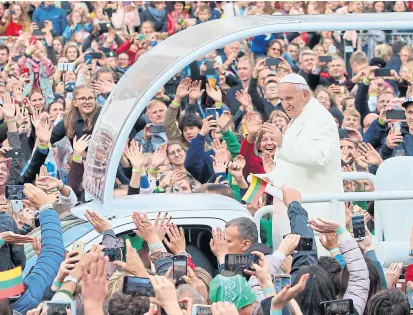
x: 210, y: 67
x: 179, y: 267
x: 269, y: 62
x: 409, y: 294
x: 88, y: 59
x: 359, y: 229
x: 238, y: 262
x: 137, y: 286
x: 396, y: 114
x: 325, y: 58
x: 59, y: 307
x: 156, y: 128
x: 96, y: 55
x: 113, y: 254
x: 198, y: 309
x: 15, y: 192
x: 382, y: 73
x: 280, y: 281
x: 305, y: 244
x: 337, y: 307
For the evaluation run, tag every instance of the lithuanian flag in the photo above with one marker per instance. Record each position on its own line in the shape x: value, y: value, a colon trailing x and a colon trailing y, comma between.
x: 11, y: 283
x: 256, y: 189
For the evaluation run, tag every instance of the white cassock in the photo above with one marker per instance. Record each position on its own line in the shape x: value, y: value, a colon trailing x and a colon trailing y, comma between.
x: 308, y: 160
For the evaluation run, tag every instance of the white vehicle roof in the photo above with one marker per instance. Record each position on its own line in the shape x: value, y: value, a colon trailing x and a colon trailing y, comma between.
x: 198, y: 204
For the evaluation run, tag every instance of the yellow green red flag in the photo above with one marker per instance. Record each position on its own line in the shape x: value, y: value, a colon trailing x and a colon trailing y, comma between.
x: 255, y: 190
x: 11, y: 283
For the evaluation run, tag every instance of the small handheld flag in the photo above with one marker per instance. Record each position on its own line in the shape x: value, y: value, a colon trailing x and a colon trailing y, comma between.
x: 11, y: 283
x: 256, y: 189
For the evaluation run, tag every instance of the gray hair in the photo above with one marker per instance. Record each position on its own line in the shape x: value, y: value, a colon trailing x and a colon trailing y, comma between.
x: 247, y: 229
x: 185, y: 290
x: 306, y: 52
x: 302, y: 87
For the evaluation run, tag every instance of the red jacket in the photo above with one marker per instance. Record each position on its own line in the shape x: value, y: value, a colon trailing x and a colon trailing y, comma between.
x: 173, y: 20
x: 13, y: 29
x: 253, y: 164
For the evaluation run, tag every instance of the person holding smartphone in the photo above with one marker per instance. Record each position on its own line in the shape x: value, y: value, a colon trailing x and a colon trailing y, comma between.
x: 15, y: 21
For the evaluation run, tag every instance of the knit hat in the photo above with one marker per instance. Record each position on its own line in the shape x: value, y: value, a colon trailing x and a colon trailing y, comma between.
x: 378, y: 62
x: 231, y: 289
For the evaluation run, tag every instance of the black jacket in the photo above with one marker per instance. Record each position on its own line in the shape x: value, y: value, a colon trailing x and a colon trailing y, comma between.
x: 59, y: 131
x: 315, y: 80
x: 11, y: 255
x: 261, y: 104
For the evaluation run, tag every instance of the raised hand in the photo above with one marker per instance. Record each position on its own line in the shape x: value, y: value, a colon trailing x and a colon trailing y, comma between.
x: 37, y: 196
x: 393, y: 274
x: 133, y: 264
x: 165, y: 295
x: 393, y: 139
x: 329, y: 240
x: 324, y: 226
x: 195, y: 91
x: 145, y: 229
x: 371, y: 156
x: 159, y: 157
x: 176, y: 243
x: 80, y: 146
x: 135, y: 154
x: 245, y: 100
x: 162, y: 224
x: 48, y: 183
x: 288, y: 293
x: 252, y: 124
x: 220, y: 163
x: 268, y: 162
x: 224, y: 120
x: 11, y: 238
x: 290, y: 195
x: 208, y: 124
x: 289, y: 244
x: 214, y: 92
x: 100, y: 224
x: 236, y: 167
x: 182, y: 90
x: 219, y: 244
x: 9, y: 106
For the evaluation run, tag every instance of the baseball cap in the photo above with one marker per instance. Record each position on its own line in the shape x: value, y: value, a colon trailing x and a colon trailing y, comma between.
x: 408, y: 101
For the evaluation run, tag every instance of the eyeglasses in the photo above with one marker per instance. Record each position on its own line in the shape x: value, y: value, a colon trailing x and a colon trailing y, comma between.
x: 83, y: 100
x: 176, y: 152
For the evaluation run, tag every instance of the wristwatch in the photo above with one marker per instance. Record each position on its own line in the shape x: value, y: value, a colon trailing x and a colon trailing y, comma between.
x: 70, y: 279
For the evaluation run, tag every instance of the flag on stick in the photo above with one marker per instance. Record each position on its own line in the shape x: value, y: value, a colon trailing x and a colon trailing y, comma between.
x: 255, y: 190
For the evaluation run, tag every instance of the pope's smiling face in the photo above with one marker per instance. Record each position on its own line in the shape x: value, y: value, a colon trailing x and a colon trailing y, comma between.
x: 292, y: 100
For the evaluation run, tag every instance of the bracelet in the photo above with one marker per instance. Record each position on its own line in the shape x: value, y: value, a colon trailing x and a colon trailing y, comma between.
x: 175, y: 104
x: 46, y: 207
x: 218, y: 105
x: 366, y: 81
x: 57, y: 284
x: 137, y: 170
x: 268, y: 291
x: 276, y: 312
x: 340, y: 230
x: 76, y: 158
x: 334, y: 250
x: 155, y: 245
x: 43, y: 147
x: 63, y: 186
x: 381, y: 122
x: 2, y: 242
x: 152, y: 171
x: 68, y: 293
x: 10, y: 120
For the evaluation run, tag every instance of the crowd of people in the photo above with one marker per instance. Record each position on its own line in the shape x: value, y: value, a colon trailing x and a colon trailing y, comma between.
x: 205, y: 131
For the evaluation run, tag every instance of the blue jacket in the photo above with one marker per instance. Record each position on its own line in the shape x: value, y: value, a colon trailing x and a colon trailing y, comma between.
x: 259, y: 43
x: 69, y: 30
x: 47, y: 265
x: 406, y: 145
x: 376, y: 134
x: 55, y: 15
x: 198, y: 161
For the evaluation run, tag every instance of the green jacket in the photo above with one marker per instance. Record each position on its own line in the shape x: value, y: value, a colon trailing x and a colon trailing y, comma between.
x: 234, y: 148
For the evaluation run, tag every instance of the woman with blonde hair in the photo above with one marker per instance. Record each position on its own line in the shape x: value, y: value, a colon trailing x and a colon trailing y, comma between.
x: 15, y: 24
x: 383, y: 51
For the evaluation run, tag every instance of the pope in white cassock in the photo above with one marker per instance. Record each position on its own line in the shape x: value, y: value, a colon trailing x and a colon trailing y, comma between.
x: 308, y: 156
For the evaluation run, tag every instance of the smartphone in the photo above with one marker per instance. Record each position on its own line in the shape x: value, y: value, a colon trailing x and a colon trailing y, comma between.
x: 269, y: 62
x: 359, y: 229
x: 305, y: 244
x: 16, y: 205
x: 59, y: 307
x: 16, y: 58
x: 325, y: 58
x: 12, y: 12
x: 88, y: 59
x: 156, y: 128
x: 137, y: 286
x: 198, y: 309
x: 26, y: 229
x: 15, y: 192
x: 65, y: 67
x: 238, y: 262
x: 211, y: 112
x: 396, y: 114
x: 382, y: 72
x: 13, y: 154
x: 280, y: 281
x: 179, y: 267
x: 113, y: 253
x: 337, y: 307
x: 96, y: 55
x: 104, y: 27
x: 38, y: 32
x: 343, y: 133
x: 78, y: 246
x: 210, y: 67
x: 108, y: 11
x: 70, y: 86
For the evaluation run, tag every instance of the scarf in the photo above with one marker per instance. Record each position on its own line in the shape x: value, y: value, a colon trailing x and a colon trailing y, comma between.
x: 157, y: 15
